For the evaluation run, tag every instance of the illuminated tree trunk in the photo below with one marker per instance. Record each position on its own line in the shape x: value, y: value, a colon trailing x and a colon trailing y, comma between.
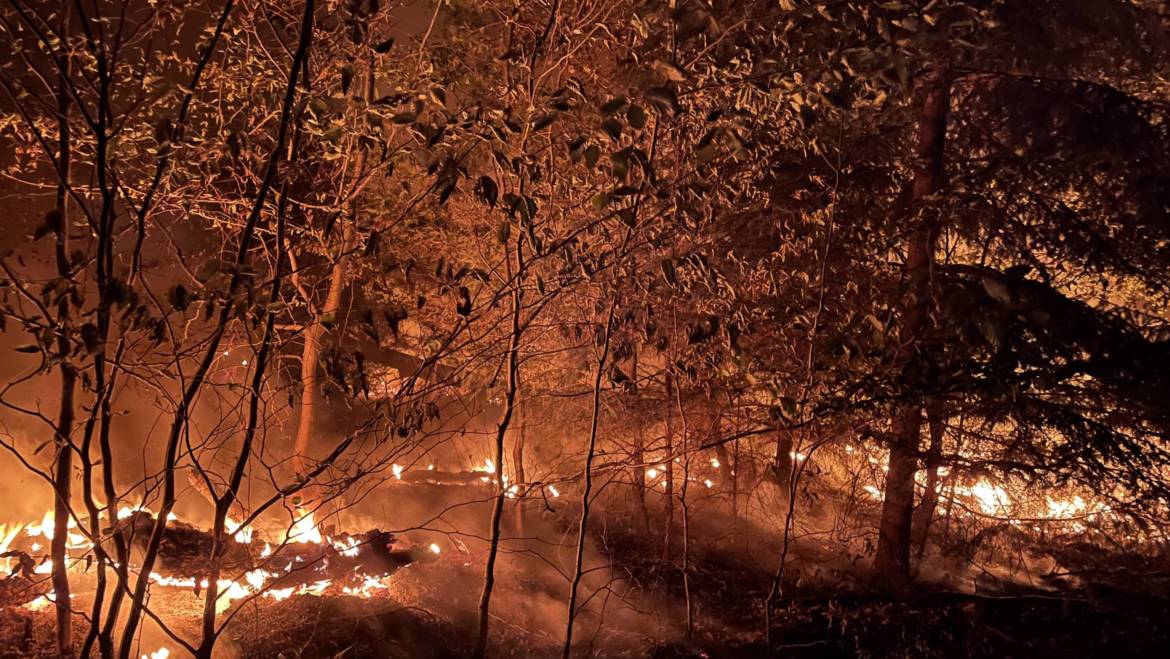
x: 224, y: 502
x: 892, y: 562
x: 518, y: 474
x: 513, y: 370
x: 63, y: 471
x: 579, y: 566
x: 639, y: 459
x: 521, y: 438
x: 325, y: 317
x: 924, y: 514
x: 228, y: 310
x: 782, y: 461
x: 668, y: 476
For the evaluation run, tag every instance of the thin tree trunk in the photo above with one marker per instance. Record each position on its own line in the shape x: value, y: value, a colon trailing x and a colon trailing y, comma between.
x: 227, y: 312
x: 63, y: 472
x: 521, y: 437
x: 582, y: 531
x: 892, y: 562
x: 782, y: 461
x: 777, y: 588
x: 924, y: 514
x: 639, y: 458
x: 489, y: 577
x: 519, y: 476
x: 686, y: 519
x: 225, y: 501
x: 669, y: 470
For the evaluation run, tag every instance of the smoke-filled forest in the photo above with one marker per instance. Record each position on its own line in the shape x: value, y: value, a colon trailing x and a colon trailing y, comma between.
x: 584, y: 328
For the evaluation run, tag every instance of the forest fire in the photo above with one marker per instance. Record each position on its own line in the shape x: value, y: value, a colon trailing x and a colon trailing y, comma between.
x: 577, y: 328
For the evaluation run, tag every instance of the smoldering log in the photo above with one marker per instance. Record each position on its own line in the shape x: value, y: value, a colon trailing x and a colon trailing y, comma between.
x: 185, y: 552
x: 372, y: 555
x: 185, y: 549
x: 439, y: 477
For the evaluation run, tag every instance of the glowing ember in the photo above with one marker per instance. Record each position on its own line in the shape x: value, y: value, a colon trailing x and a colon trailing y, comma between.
x: 397, y: 469
x: 708, y: 483
x: 39, y: 604
x: 553, y: 489
x: 368, y: 587
x: 715, y: 463
x: 161, y: 653
x: 435, y: 549
x: 652, y: 473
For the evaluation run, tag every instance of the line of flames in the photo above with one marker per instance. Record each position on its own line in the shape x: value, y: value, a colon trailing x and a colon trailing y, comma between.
x: 254, y: 582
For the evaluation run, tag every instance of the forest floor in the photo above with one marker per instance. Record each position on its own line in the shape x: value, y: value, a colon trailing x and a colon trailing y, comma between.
x: 1120, y: 607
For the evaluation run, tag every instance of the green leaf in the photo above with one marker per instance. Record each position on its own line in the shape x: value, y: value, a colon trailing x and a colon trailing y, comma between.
x: 614, y: 105
x: 664, y: 99
x: 636, y: 116
x: 488, y: 191
x: 179, y: 297
x: 669, y: 272
x: 592, y: 154
x: 50, y: 224
x: 612, y: 128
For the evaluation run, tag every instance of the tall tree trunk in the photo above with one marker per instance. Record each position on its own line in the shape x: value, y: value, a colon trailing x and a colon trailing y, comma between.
x: 668, y: 476
x: 518, y: 474
x: 782, y: 461
x: 228, y: 310
x: 579, y: 563
x: 639, y: 457
x: 892, y: 562
x: 513, y: 370
x: 924, y: 513
x: 521, y: 437
x: 225, y: 501
x: 327, y: 315
x: 63, y: 472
